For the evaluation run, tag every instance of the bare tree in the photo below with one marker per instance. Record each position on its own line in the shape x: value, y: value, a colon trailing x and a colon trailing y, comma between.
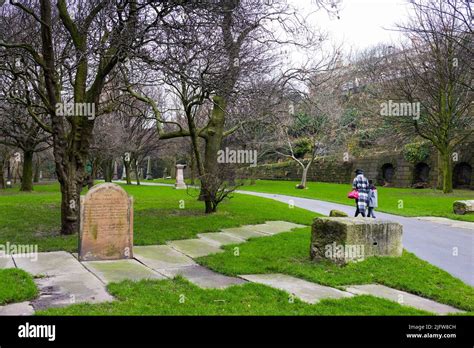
x: 437, y: 72
x: 81, y: 44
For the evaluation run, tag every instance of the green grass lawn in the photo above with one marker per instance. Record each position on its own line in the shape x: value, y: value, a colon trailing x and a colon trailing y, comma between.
x: 165, y: 297
x: 33, y: 218
x: 288, y: 253
x: 415, y: 202
x: 16, y: 286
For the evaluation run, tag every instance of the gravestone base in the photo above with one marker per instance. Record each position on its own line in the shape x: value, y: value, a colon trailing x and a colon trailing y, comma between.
x: 349, y: 239
x: 106, y: 230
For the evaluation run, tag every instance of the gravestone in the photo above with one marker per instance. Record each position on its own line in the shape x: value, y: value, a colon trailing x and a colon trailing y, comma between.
x: 106, y: 229
x: 180, y: 177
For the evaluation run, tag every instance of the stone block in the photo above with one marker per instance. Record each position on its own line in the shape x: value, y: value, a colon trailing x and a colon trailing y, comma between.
x: 337, y: 213
x: 463, y: 207
x: 346, y: 239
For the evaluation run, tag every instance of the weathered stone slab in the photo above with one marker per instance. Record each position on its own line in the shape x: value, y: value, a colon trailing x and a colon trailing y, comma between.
x: 63, y: 280
x: 159, y: 257
x: 195, y: 247
x: 402, y: 297
x: 275, y: 227
x: 6, y: 262
x: 204, y: 277
x: 302, y: 289
x: 463, y: 207
x: 67, y: 289
x: 106, y: 231
x: 220, y: 238
x: 50, y: 263
x: 119, y: 270
x: 244, y: 232
x: 346, y: 239
x: 20, y: 308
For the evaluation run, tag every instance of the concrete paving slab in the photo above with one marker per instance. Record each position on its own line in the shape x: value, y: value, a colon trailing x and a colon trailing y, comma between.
x: 20, y: 308
x: 402, y: 297
x: 195, y: 247
x: 204, y: 277
x: 159, y: 257
x: 302, y: 289
x: 63, y: 280
x: 244, y: 232
x: 50, y: 263
x: 67, y: 289
x: 275, y: 227
x: 6, y: 262
x: 220, y: 238
x: 119, y: 270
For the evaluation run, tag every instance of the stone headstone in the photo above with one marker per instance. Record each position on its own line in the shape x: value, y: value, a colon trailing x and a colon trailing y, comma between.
x: 349, y: 239
x: 106, y: 230
x: 180, y: 177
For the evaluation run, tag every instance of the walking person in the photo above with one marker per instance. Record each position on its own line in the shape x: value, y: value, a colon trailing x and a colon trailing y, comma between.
x: 361, y: 185
x: 373, y: 199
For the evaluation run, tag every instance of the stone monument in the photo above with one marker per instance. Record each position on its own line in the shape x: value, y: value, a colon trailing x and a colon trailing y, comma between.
x: 180, y: 177
x: 106, y: 229
x: 148, y: 169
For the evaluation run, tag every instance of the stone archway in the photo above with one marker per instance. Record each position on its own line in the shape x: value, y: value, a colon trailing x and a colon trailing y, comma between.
x: 421, y: 173
x: 462, y: 174
x: 388, y: 173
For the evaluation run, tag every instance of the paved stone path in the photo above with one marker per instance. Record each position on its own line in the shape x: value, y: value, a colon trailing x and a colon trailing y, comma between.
x: 63, y: 280
x: 302, y: 289
x: 402, y: 297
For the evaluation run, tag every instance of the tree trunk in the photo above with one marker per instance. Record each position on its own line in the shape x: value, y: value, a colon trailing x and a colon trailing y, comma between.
x: 192, y: 168
x: 127, y: 173
x: 71, y: 187
x: 27, y: 175
x: 2, y: 177
x: 304, y: 176
x: 439, y: 174
x: 108, y: 169
x: 447, y: 170
x: 213, y: 144
x: 36, y: 170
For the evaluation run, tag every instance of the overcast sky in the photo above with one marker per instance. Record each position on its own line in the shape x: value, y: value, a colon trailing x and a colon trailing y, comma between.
x: 362, y: 23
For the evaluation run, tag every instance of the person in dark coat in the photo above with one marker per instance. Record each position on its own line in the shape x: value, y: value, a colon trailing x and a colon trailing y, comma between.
x: 361, y: 184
